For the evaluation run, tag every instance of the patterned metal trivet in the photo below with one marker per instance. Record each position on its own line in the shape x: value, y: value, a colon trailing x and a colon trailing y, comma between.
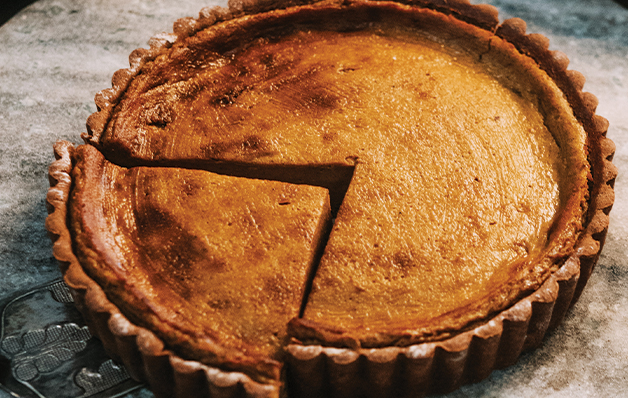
x: 46, y: 351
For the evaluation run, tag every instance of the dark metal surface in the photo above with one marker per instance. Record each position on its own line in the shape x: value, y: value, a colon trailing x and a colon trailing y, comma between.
x: 46, y: 351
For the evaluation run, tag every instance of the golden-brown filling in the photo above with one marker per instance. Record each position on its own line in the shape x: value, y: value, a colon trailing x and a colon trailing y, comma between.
x: 457, y: 178
x: 469, y: 170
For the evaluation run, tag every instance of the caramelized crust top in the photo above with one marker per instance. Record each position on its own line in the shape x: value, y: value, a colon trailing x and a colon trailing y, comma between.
x: 469, y: 173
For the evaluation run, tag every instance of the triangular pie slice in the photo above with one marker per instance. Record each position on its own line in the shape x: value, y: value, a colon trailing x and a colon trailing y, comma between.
x: 215, y: 265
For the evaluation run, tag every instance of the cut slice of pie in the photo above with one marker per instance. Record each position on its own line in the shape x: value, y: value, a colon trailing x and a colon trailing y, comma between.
x: 468, y: 178
x: 216, y: 264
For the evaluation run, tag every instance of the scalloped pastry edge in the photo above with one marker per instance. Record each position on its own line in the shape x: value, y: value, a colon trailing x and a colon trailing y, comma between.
x: 415, y: 370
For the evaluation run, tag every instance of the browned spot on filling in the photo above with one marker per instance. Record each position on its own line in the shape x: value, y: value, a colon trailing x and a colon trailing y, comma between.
x: 159, y: 115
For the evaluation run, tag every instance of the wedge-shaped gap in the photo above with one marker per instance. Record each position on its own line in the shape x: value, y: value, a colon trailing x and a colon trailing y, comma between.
x: 333, y: 177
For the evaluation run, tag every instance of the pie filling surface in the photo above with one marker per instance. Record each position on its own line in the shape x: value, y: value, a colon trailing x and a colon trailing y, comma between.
x: 452, y: 166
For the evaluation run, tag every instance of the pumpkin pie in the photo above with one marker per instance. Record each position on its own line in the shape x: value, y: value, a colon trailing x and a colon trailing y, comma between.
x: 332, y: 198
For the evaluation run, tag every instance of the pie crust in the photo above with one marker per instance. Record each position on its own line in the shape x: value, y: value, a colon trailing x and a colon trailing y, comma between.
x: 324, y: 360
